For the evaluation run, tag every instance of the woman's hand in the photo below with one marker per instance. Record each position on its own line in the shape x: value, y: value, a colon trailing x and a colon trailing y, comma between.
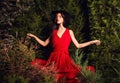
x: 30, y: 35
x: 97, y: 42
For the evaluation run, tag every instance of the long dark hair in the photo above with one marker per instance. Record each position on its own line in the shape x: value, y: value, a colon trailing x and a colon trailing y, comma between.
x: 65, y: 15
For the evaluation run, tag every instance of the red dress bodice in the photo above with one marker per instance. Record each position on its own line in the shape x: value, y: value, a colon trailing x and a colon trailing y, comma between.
x: 61, y: 43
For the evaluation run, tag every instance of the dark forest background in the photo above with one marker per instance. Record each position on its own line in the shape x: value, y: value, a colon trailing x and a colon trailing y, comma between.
x: 90, y: 19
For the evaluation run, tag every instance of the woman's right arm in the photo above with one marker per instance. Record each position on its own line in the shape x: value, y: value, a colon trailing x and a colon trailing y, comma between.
x: 41, y: 42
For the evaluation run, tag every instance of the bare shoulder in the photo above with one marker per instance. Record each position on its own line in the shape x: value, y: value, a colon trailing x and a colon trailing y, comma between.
x: 71, y: 32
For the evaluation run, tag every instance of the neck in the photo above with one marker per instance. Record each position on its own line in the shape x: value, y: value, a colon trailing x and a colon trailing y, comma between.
x: 61, y: 27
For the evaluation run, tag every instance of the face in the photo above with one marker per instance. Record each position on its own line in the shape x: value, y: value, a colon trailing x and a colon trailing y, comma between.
x: 59, y: 18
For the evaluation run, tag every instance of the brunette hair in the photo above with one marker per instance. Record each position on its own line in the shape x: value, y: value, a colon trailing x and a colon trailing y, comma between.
x: 65, y: 15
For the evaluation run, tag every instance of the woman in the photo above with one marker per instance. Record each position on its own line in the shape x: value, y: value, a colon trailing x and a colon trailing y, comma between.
x: 60, y: 62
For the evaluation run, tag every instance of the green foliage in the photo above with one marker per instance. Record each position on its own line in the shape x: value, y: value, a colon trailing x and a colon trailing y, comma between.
x: 104, y: 19
x: 16, y: 79
x: 91, y: 77
x: 14, y: 57
x: 27, y: 22
x: 48, y: 79
x: 78, y: 56
x: 15, y: 64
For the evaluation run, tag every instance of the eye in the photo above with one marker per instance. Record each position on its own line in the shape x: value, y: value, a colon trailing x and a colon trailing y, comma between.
x: 60, y: 16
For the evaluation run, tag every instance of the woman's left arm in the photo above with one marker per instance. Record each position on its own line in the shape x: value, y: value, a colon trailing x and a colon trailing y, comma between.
x: 82, y: 45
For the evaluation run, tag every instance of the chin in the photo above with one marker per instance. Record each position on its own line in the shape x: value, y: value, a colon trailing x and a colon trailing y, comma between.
x: 58, y: 23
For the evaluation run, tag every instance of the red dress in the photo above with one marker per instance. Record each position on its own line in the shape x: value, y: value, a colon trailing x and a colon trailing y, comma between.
x: 59, y: 62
